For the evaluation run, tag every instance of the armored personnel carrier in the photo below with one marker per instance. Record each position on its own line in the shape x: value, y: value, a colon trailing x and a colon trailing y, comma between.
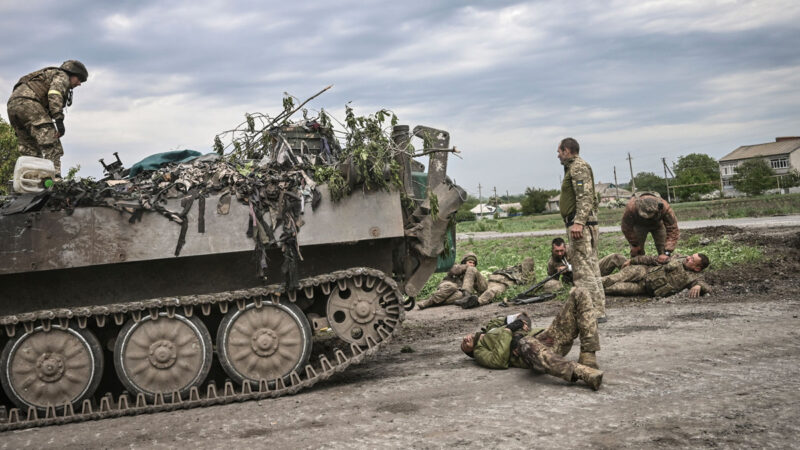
x: 209, y: 282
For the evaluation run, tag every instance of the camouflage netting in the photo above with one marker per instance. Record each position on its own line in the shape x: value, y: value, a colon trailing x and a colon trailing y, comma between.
x: 271, y: 164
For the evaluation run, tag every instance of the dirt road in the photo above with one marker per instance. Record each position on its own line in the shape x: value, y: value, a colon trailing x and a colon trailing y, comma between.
x: 719, y: 371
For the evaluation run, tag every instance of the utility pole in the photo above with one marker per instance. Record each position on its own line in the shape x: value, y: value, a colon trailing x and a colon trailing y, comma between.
x: 480, y: 201
x: 633, y: 182
x: 615, y: 181
x: 508, y: 197
x: 494, y: 188
x: 666, y: 179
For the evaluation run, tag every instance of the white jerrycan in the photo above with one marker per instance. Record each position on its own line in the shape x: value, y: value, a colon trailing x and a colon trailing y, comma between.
x: 30, y: 172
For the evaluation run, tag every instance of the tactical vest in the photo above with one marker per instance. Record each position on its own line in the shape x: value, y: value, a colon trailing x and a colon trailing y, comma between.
x: 661, y: 283
x: 39, y: 83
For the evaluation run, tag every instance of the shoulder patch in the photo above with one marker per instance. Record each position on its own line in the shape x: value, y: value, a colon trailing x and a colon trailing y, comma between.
x: 579, y: 186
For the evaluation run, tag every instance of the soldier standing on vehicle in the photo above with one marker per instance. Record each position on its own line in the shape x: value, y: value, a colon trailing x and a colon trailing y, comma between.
x: 36, y: 109
x: 647, y: 212
x: 645, y: 275
x: 461, y: 281
x: 578, y: 205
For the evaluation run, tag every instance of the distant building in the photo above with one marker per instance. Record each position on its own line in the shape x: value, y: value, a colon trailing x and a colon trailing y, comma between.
x: 609, y: 193
x: 509, y: 209
x: 483, y: 210
x: 782, y: 156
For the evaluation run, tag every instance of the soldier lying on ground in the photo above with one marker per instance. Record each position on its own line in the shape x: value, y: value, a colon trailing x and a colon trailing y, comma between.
x: 499, y: 281
x: 647, y: 213
x: 558, y: 260
x: 644, y: 275
x: 509, y: 341
x: 461, y: 281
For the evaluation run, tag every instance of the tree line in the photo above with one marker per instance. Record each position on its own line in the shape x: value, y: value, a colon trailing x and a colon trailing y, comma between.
x: 696, y: 174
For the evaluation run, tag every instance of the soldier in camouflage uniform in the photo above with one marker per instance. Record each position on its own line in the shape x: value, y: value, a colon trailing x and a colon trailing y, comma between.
x: 461, y: 281
x: 648, y: 213
x: 578, y: 205
x: 509, y: 342
x: 558, y: 260
x: 644, y: 275
x: 37, y: 101
x: 499, y: 281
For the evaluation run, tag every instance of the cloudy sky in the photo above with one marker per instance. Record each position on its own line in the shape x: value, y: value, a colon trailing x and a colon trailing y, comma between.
x: 507, y: 79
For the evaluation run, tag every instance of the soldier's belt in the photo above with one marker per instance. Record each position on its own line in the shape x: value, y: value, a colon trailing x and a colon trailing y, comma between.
x: 588, y: 224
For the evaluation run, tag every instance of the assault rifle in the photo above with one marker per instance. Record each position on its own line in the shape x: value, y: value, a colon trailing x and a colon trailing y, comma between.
x: 524, y: 298
x: 524, y: 295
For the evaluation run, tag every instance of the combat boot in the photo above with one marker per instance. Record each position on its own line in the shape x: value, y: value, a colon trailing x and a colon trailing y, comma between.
x: 592, y: 377
x: 468, y: 302
x: 588, y: 359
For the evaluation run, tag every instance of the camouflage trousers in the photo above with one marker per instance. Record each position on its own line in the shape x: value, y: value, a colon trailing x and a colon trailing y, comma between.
x: 497, y: 285
x: 552, y: 286
x: 607, y: 264
x: 448, y: 292
x: 545, y: 351
x: 659, y: 233
x: 582, y: 255
x: 36, y: 134
x: 628, y: 281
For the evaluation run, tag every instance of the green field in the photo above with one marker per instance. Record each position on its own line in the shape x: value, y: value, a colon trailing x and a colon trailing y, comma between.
x: 768, y: 205
x: 494, y: 254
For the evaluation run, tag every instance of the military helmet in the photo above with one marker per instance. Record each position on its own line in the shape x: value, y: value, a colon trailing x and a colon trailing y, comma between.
x: 75, y: 67
x: 649, y: 206
x: 470, y: 256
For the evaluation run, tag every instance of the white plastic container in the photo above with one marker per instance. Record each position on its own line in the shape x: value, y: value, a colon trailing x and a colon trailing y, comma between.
x: 29, y: 173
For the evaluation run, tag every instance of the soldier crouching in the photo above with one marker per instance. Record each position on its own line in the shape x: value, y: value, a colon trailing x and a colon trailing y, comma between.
x: 509, y: 342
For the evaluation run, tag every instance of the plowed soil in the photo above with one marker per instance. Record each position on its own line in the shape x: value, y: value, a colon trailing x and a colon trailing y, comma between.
x: 719, y: 371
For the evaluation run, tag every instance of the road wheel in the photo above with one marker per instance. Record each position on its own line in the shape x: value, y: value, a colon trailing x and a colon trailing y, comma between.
x: 166, y: 355
x: 50, y: 368
x: 266, y: 343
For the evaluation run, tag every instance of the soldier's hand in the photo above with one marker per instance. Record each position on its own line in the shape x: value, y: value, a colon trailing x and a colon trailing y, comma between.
x: 516, y: 325
x: 635, y: 251
x: 60, y: 127
x: 576, y: 231
x: 662, y: 258
x: 626, y: 264
x: 694, y: 292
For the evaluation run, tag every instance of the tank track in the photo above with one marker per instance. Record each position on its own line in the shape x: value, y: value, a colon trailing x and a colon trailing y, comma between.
x: 123, y: 405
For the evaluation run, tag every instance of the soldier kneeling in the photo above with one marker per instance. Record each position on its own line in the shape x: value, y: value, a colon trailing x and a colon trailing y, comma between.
x: 510, y: 341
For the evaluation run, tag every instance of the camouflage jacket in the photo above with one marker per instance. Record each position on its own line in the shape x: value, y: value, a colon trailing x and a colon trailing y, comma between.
x: 513, y: 275
x: 456, y: 274
x: 578, y: 202
x: 631, y: 218
x: 553, y: 265
x: 49, y: 86
x: 493, y: 350
x: 663, y: 280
